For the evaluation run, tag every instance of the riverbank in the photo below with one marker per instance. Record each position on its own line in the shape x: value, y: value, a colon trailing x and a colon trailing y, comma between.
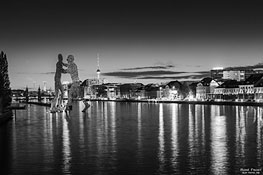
x: 40, y: 103
x: 6, y: 116
x: 231, y: 103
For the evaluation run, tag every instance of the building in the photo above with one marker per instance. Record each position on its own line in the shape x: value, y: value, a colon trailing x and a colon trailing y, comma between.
x: 192, y: 90
x: 234, y: 73
x: 238, y: 75
x: 227, y: 91
x: 131, y: 90
x: 203, y: 89
x: 17, y: 92
x: 65, y: 85
x: 171, y: 91
x: 88, y: 89
x: 217, y: 73
x: 251, y: 89
x: 112, y: 90
x: 213, y: 85
x: 247, y: 88
x: 140, y: 93
x: 152, y: 91
x: 258, y: 92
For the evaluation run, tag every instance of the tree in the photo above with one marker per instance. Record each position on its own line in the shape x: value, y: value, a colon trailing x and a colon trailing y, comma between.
x: 26, y: 94
x: 185, y: 89
x: 39, y: 94
x: 5, y: 91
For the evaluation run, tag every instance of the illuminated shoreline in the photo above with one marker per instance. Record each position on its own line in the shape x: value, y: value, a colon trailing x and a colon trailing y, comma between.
x: 232, y: 103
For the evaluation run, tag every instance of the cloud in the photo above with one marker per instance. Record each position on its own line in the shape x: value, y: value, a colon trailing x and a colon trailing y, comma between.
x: 23, y: 73
x: 122, y: 74
x: 159, y: 71
x: 158, y: 66
x: 256, y: 66
x: 174, y: 77
x: 161, y: 74
x: 151, y: 67
x: 30, y: 73
x: 190, y: 75
x: 203, y: 73
x: 48, y: 73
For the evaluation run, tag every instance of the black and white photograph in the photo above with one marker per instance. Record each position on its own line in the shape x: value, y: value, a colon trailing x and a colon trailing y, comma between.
x: 131, y: 87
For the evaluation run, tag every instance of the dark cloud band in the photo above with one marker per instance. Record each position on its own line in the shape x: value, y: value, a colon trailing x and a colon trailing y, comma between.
x: 150, y: 67
x: 158, y: 74
x: 42, y: 73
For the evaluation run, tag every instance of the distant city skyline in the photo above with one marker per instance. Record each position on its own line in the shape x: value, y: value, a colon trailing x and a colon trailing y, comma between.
x: 137, y: 42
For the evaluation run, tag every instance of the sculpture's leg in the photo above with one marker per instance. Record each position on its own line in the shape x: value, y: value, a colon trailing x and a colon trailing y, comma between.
x: 54, y: 102
x: 53, y: 107
x: 73, y: 93
x: 61, y: 95
x: 59, y: 104
x: 87, y: 105
x: 69, y: 104
x: 60, y: 98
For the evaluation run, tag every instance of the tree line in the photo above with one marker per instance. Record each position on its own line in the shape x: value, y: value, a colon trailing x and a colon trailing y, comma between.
x: 5, y: 90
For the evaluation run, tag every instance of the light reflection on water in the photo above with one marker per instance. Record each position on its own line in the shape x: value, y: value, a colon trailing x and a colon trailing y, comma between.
x: 66, y: 145
x: 161, y: 139
x: 139, y: 142
x: 133, y: 138
x: 241, y: 133
x: 218, y: 141
x: 174, y: 135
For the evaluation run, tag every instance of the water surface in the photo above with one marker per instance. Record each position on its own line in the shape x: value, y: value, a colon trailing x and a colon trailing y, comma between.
x: 133, y: 138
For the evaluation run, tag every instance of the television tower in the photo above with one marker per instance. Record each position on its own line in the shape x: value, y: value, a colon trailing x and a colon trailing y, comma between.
x: 98, y: 70
x: 45, y: 86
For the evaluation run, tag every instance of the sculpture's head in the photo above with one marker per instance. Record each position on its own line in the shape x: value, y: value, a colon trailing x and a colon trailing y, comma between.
x: 60, y: 57
x: 70, y: 58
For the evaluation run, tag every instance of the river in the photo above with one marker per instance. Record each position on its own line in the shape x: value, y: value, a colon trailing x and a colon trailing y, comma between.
x: 134, y: 138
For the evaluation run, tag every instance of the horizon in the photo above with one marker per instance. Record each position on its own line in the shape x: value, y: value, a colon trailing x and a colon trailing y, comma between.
x: 248, y: 67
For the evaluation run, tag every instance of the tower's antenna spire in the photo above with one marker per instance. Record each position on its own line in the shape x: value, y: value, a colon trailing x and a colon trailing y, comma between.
x: 98, y: 62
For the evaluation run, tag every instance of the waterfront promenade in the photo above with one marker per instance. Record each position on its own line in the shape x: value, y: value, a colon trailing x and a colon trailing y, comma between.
x: 232, y: 103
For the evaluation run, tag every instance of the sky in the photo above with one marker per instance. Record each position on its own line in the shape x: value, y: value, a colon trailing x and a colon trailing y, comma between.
x: 143, y: 42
